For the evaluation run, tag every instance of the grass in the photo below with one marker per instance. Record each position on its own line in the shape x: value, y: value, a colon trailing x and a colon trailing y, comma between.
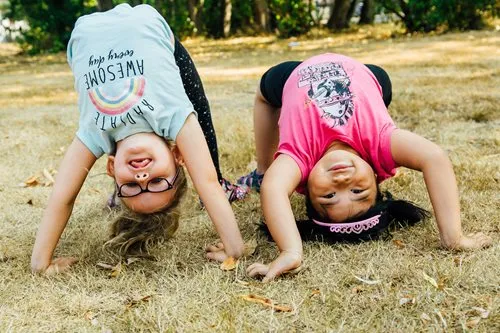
x: 445, y: 88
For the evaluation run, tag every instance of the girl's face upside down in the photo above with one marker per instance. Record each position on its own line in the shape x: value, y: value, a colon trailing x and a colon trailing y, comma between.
x: 341, y: 185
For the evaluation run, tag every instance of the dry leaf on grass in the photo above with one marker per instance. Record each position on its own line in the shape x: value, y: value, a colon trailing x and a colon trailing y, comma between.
x: 483, y: 313
x: 267, y: 302
x: 430, y: 280
x: 115, y: 270
x: 366, y: 280
x: 229, y: 264
x: 315, y: 292
x: 131, y: 302
x: 104, y: 265
x: 407, y: 300
x: 30, y: 182
x: 50, y: 180
x: 398, y: 243
x: 92, y: 317
x: 425, y: 317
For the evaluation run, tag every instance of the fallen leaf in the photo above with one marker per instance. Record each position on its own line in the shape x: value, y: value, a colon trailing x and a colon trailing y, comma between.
x: 105, y: 266
x: 367, y: 281
x: 250, y: 248
x: 473, y: 322
x: 315, y: 292
x: 229, y: 264
x: 398, y: 243
x: 483, y: 313
x: 266, y: 302
x: 131, y: 260
x: 134, y: 301
x: 407, y: 300
x: 60, y: 151
x: 243, y: 283
x: 48, y: 176
x: 115, y: 271
x: 88, y: 315
x: 430, y: 280
x: 30, y: 182
x: 425, y: 317
x: 357, y: 289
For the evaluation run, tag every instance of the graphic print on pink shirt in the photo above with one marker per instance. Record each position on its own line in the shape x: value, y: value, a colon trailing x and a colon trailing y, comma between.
x: 329, y: 88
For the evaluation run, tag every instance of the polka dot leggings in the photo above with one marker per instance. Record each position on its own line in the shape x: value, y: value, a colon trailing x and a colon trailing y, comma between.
x: 194, y: 90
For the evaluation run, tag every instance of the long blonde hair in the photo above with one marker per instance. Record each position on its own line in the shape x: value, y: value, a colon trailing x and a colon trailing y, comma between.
x: 133, y: 233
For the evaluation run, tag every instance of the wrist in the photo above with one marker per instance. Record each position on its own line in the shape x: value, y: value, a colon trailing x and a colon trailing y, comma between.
x: 451, y: 242
x: 39, y: 265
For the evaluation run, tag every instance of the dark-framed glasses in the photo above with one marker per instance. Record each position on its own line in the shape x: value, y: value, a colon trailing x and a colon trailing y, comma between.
x: 155, y: 185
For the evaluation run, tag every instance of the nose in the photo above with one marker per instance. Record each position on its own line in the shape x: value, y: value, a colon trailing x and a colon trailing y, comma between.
x: 342, y: 178
x: 140, y: 176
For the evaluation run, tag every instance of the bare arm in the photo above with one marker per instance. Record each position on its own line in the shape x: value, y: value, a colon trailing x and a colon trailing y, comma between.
x: 71, y: 174
x: 194, y: 150
x: 415, y: 152
x: 280, y: 180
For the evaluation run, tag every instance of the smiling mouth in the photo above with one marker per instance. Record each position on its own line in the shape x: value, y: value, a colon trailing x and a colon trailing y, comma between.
x: 140, y: 163
x: 340, y: 166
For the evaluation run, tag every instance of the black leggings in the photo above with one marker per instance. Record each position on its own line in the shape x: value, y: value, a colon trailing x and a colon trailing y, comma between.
x: 273, y: 81
x: 194, y: 90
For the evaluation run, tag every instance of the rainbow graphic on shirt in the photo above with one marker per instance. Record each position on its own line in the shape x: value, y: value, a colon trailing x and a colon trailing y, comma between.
x: 115, y: 105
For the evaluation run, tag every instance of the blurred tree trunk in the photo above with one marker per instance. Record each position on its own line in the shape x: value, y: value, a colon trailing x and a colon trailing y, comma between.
x: 104, y: 5
x: 261, y: 15
x: 226, y: 15
x: 338, y: 18
x: 352, y: 9
x: 195, y: 8
x: 367, y: 12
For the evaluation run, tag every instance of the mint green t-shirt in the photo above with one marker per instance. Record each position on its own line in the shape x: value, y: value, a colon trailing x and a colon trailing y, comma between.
x: 126, y: 77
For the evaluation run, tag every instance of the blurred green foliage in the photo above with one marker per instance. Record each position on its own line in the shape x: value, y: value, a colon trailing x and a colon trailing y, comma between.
x: 51, y: 21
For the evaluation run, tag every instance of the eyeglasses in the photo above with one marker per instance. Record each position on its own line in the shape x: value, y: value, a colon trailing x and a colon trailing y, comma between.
x: 155, y: 185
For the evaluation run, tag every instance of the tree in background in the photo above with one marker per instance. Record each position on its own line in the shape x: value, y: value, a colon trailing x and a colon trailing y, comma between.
x: 104, y: 5
x: 428, y: 15
x: 367, y: 12
x: 339, y: 15
x: 51, y: 21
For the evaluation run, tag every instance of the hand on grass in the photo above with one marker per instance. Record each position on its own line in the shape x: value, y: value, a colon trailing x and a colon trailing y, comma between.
x: 287, y: 262
x: 59, y: 265
x: 473, y: 241
x: 216, y: 252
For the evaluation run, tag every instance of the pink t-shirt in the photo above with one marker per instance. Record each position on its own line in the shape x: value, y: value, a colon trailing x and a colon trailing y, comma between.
x: 330, y: 98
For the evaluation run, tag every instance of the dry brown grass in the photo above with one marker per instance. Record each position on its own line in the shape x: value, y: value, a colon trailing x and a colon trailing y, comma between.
x: 445, y: 88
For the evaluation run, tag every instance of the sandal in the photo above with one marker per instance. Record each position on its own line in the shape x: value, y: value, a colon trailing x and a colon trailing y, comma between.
x: 252, y: 180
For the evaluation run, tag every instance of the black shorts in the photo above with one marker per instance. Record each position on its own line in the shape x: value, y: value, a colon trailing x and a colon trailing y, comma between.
x: 273, y: 81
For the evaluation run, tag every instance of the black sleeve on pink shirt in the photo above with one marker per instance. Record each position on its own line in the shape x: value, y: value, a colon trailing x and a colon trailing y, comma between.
x: 273, y: 81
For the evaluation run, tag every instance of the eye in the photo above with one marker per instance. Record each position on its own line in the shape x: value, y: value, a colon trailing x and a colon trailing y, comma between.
x: 329, y: 196
x: 156, y: 180
x: 131, y: 185
x: 356, y: 190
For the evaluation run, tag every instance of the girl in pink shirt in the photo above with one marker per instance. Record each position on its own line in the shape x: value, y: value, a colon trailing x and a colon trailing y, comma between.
x: 322, y: 129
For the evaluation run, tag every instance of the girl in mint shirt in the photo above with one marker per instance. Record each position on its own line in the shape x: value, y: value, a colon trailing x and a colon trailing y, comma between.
x: 142, y: 103
x: 322, y: 129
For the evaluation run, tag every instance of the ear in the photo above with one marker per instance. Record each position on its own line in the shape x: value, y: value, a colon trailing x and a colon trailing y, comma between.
x: 179, y: 160
x: 110, y: 166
